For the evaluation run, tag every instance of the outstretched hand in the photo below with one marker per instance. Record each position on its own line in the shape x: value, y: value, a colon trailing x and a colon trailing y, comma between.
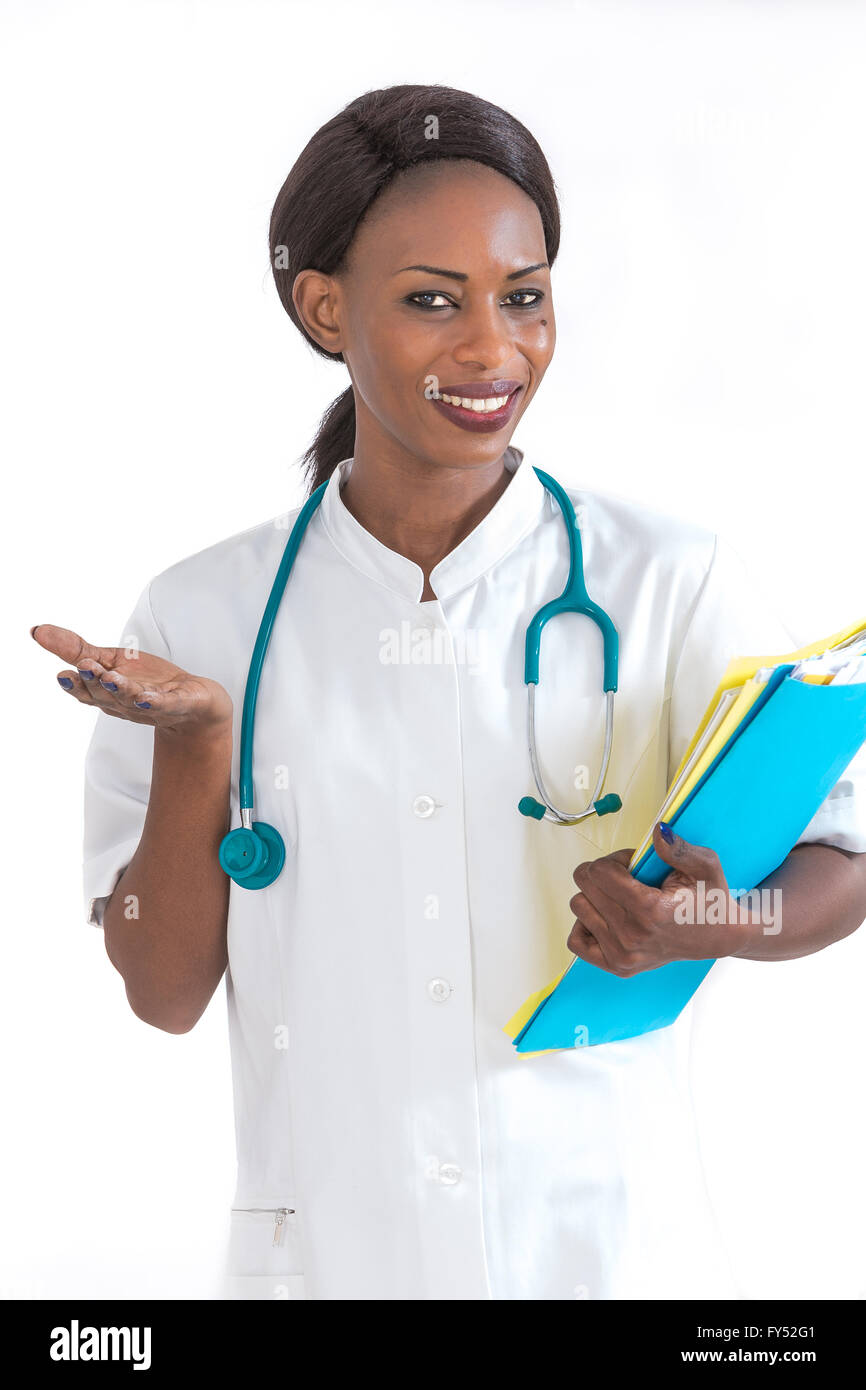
x: 135, y: 685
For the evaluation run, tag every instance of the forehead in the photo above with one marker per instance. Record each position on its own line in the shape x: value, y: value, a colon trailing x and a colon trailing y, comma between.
x: 451, y: 213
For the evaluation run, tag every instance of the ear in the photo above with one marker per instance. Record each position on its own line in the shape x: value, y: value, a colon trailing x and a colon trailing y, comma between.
x: 316, y: 299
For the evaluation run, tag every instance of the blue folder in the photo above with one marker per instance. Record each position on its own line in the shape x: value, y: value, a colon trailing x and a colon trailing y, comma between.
x: 751, y: 806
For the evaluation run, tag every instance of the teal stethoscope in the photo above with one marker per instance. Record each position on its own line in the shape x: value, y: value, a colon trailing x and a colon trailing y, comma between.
x: 254, y: 854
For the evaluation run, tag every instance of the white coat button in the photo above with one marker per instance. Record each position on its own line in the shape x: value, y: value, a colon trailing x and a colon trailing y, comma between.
x: 423, y: 806
x: 438, y: 990
x: 449, y: 1174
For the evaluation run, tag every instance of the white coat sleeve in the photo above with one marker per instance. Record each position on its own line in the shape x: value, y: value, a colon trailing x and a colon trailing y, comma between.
x: 730, y: 617
x: 117, y: 774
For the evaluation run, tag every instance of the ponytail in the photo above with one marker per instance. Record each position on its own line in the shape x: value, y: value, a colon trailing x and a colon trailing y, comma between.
x: 334, y: 441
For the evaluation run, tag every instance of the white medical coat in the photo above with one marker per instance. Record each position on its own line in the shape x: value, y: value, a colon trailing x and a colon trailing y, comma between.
x: 376, y: 1094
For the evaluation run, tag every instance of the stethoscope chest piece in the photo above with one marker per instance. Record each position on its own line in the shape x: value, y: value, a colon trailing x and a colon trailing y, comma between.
x: 253, y: 856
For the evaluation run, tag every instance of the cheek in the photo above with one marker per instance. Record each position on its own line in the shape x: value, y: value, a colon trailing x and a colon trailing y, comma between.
x: 389, y: 357
x: 538, y: 339
x: 389, y: 385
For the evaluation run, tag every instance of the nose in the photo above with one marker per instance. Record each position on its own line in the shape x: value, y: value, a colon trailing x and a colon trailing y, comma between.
x: 484, y: 336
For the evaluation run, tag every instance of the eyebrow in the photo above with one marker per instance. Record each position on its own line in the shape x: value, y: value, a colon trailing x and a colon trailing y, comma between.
x: 459, y: 275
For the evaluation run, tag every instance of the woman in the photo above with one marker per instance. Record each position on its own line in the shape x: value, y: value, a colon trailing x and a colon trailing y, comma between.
x: 391, y: 1142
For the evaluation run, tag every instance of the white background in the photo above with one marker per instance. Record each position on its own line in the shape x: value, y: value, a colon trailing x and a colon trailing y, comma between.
x: 710, y: 296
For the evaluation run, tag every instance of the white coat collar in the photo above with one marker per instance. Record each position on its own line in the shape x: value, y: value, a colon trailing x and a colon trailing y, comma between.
x: 509, y: 519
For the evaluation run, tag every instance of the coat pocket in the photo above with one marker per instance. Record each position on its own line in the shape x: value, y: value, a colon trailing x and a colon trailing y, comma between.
x: 264, y: 1255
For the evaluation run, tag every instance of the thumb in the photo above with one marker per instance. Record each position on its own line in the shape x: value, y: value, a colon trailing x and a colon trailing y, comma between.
x: 70, y: 646
x: 690, y: 861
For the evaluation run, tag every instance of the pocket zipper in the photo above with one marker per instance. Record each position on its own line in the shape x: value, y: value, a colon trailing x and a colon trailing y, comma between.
x: 280, y: 1213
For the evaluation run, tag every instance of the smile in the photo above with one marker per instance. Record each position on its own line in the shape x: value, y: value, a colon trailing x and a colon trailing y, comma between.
x: 479, y: 405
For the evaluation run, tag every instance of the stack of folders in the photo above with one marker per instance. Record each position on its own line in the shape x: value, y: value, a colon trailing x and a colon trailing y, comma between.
x: 776, y: 736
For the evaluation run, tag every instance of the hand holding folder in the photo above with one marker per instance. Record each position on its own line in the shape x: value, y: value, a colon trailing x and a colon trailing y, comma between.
x: 776, y: 736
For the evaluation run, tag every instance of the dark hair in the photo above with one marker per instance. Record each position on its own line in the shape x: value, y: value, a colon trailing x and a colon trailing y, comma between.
x: 344, y: 168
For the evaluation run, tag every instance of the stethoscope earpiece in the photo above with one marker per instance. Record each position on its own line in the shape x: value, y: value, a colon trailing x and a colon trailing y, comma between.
x: 528, y: 806
x: 253, y: 856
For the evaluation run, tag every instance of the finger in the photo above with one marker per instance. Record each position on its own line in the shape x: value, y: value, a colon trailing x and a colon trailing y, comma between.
x: 136, y: 699
x: 583, y: 944
x: 582, y: 941
x: 71, y: 683
x: 588, y: 915
x: 621, y: 856
x: 598, y: 943
x: 96, y: 679
x: 93, y: 684
x: 119, y: 689
x: 694, y: 861
x: 612, y: 889
x: 139, y: 698
x: 70, y: 646
x: 589, y: 919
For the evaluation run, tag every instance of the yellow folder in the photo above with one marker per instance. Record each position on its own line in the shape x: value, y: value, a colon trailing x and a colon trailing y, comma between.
x: 740, y: 674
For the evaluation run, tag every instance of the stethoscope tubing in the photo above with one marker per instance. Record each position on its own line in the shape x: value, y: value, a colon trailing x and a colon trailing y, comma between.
x: 552, y: 812
x: 266, y: 627
x: 253, y: 855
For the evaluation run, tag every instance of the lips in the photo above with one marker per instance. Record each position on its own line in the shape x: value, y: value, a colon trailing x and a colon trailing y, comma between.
x: 481, y: 390
x: 483, y: 406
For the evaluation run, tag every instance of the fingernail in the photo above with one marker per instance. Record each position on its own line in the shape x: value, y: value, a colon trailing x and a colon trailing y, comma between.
x: 666, y: 832
x: 143, y: 704
x: 65, y: 682
x: 33, y: 629
x: 88, y: 675
x: 108, y: 685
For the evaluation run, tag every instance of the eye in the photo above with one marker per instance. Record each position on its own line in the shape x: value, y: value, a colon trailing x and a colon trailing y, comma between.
x: 538, y: 295
x: 429, y: 294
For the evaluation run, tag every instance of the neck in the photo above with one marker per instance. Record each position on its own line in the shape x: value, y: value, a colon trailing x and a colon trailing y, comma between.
x: 420, y: 510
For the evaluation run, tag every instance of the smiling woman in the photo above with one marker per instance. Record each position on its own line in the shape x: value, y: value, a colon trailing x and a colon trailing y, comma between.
x: 392, y: 1144
x: 491, y: 317
x: 393, y: 307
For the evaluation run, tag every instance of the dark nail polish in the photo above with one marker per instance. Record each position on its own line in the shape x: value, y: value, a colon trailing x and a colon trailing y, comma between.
x: 108, y: 685
x: 666, y: 832
x: 65, y: 682
x: 88, y: 675
x: 143, y: 704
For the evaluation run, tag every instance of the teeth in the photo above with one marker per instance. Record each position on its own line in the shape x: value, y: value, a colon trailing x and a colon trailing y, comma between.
x: 479, y: 405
